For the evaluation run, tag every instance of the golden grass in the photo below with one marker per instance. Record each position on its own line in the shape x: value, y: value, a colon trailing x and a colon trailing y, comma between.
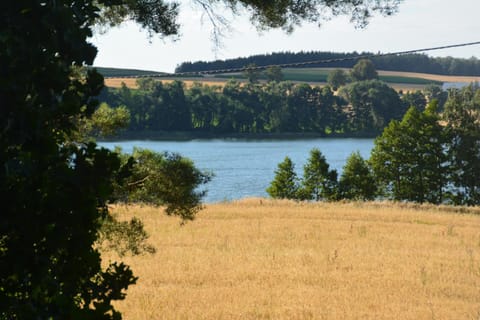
x: 132, y: 82
x: 117, y: 82
x: 265, y: 259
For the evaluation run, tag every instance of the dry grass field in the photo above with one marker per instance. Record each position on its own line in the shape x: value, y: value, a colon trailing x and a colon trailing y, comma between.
x: 132, y: 82
x: 266, y: 259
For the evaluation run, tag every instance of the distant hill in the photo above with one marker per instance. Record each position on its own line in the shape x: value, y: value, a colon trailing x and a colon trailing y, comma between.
x: 420, y: 63
x: 118, y: 73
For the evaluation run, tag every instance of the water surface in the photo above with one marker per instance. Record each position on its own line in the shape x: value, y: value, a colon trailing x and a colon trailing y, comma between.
x: 245, y: 168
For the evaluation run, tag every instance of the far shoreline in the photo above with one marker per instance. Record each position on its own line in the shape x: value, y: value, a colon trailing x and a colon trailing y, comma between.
x: 189, y: 135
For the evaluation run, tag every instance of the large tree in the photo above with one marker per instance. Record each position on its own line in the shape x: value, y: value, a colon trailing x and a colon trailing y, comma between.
x: 409, y: 158
x: 319, y: 182
x: 57, y: 190
x: 357, y: 181
x: 462, y: 115
x: 364, y: 70
x: 285, y: 183
x: 373, y: 104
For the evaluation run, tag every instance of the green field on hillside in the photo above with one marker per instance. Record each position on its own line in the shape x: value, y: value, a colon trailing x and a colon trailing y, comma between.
x: 118, y: 73
x: 320, y: 75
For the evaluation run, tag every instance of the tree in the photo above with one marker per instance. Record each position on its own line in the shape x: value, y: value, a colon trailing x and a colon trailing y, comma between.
x: 285, y: 183
x: 364, y: 70
x: 434, y: 92
x: 274, y: 73
x: 105, y: 121
x: 160, y: 16
x: 409, y: 158
x: 57, y: 190
x: 357, y: 181
x: 462, y: 114
x: 337, y: 78
x: 252, y: 73
x: 319, y: 182
x: 416, y: 99
x: 373, y: 105
x: 163, y: 179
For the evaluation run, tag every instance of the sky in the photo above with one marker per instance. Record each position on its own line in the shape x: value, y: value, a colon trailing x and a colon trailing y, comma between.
x: 418, y: 24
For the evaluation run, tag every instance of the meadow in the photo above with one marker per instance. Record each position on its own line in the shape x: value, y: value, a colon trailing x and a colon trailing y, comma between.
x: 277, y: 259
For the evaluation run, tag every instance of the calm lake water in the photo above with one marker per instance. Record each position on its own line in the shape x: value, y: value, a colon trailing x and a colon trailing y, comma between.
x: 245, y: 168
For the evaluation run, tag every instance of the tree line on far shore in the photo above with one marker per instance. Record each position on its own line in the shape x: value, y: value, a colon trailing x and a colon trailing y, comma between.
x: 355, y: 104
x: 427, y: 157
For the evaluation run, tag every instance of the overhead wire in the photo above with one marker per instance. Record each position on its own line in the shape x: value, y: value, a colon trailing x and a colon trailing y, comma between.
x: 297, y: 64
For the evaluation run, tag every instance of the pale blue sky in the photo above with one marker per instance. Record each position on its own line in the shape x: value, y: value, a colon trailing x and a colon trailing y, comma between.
x: 418, y: 24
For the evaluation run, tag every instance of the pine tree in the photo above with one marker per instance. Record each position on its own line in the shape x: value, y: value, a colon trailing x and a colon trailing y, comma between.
x: 357, y: 181
x: 318, y: 181
x: 285, y: 183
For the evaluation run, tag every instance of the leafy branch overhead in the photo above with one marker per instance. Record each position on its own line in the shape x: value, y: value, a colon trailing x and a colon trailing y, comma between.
x: 160, y: 17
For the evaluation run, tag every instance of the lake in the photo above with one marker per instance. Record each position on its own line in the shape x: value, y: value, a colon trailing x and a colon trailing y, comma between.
x: 245, y: 168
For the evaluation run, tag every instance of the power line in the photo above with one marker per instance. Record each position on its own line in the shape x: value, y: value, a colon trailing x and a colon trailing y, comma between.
x: 302, y: 64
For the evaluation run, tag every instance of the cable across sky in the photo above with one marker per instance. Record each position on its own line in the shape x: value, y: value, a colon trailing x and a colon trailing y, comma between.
x: 305, y: 63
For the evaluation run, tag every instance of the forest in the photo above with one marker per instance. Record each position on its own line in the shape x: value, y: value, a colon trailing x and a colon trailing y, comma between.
x: 360, y: 108
x: 407, y: 62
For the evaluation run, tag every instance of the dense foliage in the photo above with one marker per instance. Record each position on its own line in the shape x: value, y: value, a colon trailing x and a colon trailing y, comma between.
x: 357, y: 181
x: 318, y: 181
x: 285, y: 184
x: 426, y: 157
x: 361, y: 108
x: 166, y: 179
x: 408, y: 158
x: 56, y: 189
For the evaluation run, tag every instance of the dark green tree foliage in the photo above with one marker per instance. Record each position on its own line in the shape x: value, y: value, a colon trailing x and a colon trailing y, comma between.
x: 163, y: 179
x: 204, y: 106
x: 252, y: 73
x: 124, y: 237
x: 235, y: 108
x: 337, y: 78
x: 285, y: 183
x: 175, y: 113
x: 157, y: 17
x: 104, y: 122
x: 462, y: 114
x: 274, y: 73
x: 409, y: 158
x: 357, y: 181
x: 290, y: 13
x: 318, y: 182
x: 415, y: 99
x: 434, y: 92
x: 56, y: 191
x: 363, y: 70
x: 373, y: 104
